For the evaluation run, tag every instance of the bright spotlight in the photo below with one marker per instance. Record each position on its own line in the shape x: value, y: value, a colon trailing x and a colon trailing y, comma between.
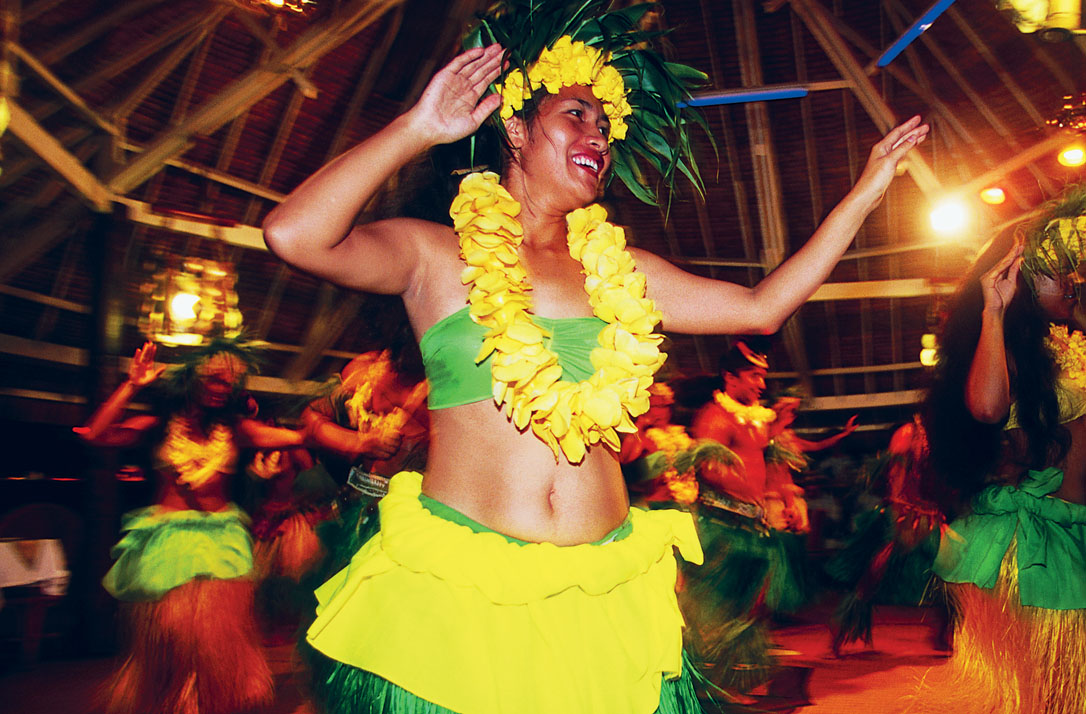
x: 183, y: 306
x: 1072, y: 156
x: 993, y: 196
x: 949, y: 216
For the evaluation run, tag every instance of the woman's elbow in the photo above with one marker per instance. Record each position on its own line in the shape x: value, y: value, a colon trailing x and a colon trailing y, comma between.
x: 277, y: 237
x: 988, y: 413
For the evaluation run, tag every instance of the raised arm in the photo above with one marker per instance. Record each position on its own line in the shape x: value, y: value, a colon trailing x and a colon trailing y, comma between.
x: 313, y: 229
x: 820, y: 444
x: 105, y: 428
x: 988, y: 386
x: 697, y: 305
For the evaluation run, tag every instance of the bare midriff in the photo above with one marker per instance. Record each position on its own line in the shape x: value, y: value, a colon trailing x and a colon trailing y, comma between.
x: 210, y: 496
x: 480, y: 465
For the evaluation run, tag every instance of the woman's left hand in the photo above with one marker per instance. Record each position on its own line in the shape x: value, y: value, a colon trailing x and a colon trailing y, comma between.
x: 882, y: 163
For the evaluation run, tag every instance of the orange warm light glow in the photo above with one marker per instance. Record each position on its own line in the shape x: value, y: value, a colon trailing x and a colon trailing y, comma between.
x: 1072, y: 156
x: 949, y: 217
x: 993, y: 196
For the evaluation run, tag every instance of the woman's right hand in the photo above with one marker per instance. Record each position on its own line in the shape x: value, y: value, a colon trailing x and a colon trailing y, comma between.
x: 450, y: 107
x: 143, y: 369
x: 1001, y: 282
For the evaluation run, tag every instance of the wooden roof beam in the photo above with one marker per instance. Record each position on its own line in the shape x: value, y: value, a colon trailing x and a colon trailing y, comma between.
x: 767, y: 180
x: 251, y: 88
x: 990, y: 116
x: 42, y: 143
x: 820, y: 25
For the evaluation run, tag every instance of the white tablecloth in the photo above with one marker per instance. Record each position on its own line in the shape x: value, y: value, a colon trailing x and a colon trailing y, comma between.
x: 33, y: 562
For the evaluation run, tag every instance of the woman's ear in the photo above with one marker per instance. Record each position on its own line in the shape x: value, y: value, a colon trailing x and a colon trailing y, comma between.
x: 517, y: 131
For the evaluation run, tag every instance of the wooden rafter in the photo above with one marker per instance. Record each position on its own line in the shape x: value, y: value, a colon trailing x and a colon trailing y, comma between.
x: 251, y: 88
x: 767, y: 180
x: 820, y: 25
x: 53, y: 153
x: 952, y: 71
x: 162, y: 70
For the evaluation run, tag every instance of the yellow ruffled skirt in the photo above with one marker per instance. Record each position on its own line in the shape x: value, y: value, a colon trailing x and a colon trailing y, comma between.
x: 481, y: 625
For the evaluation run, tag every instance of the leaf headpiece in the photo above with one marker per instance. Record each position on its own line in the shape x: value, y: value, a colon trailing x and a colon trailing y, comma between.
x: 586, y: 43
x: 1056, y: 242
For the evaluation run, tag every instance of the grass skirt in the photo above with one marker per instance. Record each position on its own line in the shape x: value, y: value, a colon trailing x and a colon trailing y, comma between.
x: 1017, y: 577
x: 876, y: 568
x: 1009, y: 658
x: 472, y: 622
x: 194, y: 648
x: 749, y: 573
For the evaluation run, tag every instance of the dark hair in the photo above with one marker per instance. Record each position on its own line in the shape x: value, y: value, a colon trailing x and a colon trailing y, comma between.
x: 733, y: 361
x: 966, y: 453
x: 179, y: 384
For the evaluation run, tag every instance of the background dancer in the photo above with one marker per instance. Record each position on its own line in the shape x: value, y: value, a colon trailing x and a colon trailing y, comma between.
x: 889, y: 558
x: 183, y: 565
x: 1006, y: 432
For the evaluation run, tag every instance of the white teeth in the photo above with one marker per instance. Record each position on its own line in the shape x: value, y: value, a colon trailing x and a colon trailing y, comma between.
x: 585, y: 161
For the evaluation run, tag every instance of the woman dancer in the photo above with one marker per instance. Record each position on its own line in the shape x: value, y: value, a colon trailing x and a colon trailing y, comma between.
x: 183, y: 565
x: 1006, y: 432
x: 555, y: 596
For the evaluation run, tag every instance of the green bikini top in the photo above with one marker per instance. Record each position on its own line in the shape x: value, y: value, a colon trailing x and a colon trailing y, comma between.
x: 450, y: 346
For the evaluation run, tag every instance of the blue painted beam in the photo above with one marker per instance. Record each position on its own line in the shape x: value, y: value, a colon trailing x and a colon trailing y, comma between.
x: 743, y: 96
x: 922, y: 23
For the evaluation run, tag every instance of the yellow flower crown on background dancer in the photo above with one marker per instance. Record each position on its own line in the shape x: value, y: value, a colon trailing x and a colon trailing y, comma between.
x: 552, y: 44
x: 1069, y: 351
x: 1056, y: 242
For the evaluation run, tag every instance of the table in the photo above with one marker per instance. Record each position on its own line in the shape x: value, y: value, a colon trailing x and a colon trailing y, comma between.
x: 33, y: 563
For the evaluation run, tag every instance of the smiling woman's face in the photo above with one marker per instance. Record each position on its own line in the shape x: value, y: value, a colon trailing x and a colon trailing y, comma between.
x: 219, y: 376
x: 565, y: 148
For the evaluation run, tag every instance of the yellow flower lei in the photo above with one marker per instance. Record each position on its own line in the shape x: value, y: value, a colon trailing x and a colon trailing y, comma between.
x: 753, y: 414
x: 672, y: 439
x: 1069, y: 350
x: 567, y: 64
x: 567, y: 416
x: 196, y: 462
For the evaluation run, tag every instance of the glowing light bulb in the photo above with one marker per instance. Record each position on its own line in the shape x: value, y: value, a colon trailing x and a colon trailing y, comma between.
x: 183, y: 307
x: 993, y: 196
x: 1072, y: 156
x: 949, y: 216
x: 928, y: 355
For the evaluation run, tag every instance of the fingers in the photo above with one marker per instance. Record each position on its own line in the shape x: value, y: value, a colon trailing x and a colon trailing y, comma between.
x: 486, y: 107
x: 898, y: 133
x: 1008, y: 262
x: 907, y: 142
x: 487, y: 67
x: 465, y: 58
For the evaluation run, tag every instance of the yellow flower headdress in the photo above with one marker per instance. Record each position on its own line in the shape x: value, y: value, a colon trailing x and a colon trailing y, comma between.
x: 567, y: 64
x: 552, y: 44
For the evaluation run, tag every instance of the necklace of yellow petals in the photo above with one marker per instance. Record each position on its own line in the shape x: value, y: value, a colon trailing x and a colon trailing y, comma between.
x: 194, y: 461
x: 745, y: 414
x: 672, y: 439
x: 567, y: 416
x: 360, y: 404
x: 1069, y: 350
